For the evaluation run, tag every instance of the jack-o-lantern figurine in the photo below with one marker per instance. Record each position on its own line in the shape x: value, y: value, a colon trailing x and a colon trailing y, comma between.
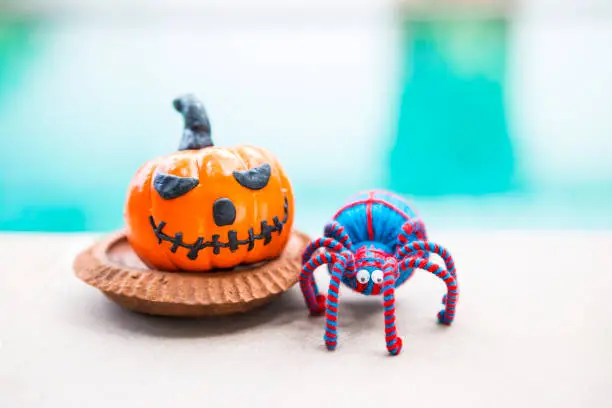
x: 205, y: 207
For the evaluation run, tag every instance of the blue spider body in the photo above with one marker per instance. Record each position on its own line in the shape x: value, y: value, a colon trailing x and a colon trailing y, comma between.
x: 373, y: 245
x: 374, y: 220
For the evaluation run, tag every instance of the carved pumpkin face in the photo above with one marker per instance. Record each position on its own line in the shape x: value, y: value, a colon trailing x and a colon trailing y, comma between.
x: 207, y: 207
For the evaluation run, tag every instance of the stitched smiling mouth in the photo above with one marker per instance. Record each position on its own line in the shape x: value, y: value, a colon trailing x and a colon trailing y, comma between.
x: 232, y: 236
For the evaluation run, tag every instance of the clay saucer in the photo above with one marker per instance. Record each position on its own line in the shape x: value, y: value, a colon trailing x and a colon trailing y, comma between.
x: 112, y: 267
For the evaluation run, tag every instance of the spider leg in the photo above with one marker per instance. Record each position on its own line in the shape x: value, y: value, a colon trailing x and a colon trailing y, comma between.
x: 394, y: 342
x: 412, y: 229
x: 331, y: 310
x: 419, y: 247
x: 335, y: 230
x: 446, y: 315
x: 315, y: 301
x: 333, y: 246
x: 329, y: 243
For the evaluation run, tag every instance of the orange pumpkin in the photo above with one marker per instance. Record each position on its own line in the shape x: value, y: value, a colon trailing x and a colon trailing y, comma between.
x: 207, y: 207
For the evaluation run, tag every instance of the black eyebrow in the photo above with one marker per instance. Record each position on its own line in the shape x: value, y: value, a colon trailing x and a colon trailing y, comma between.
x: 169, y: 186
x: 255, y: 178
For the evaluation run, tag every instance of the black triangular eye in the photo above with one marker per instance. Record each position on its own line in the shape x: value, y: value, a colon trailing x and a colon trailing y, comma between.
x: 169, y: 186
x: 255, y: 178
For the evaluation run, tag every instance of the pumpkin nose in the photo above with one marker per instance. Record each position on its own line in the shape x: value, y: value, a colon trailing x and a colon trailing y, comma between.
x: 224, y: 212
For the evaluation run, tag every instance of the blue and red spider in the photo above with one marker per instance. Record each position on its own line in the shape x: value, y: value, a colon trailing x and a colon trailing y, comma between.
x: 373, y: 245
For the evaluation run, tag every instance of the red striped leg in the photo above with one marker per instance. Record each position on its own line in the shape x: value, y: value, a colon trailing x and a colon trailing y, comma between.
x: 415, y: 247
x: 446, y: 315
x: 315, y: 301
x: 335, y: 230
x: 333, y: 246
x: 328, y: 243
x: 394, y: 342
x: 410, y: 230
x: 331, y: 311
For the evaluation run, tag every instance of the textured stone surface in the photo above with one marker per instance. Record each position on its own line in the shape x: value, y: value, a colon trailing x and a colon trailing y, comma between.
x: 533, y: 328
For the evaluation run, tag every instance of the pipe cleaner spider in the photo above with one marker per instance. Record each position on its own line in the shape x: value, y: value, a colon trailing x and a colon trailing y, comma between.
x: 373, y: 245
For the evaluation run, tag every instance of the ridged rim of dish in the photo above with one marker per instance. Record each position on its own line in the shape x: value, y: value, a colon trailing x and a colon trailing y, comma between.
x: 201, y: 289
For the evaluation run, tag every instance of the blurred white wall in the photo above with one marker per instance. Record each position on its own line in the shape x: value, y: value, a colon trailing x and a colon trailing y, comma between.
x: 332, y: 53
x: 288, y: 83
x: 561, y: 90
x: 346, y: 7
x: 235, y: 7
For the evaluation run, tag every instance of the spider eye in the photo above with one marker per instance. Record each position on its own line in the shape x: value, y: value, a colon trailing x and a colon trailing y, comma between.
x: 363, y: 276
x: 377, y: 276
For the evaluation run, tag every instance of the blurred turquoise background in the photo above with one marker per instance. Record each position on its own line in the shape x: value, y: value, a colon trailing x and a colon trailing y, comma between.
x: 487, y: 116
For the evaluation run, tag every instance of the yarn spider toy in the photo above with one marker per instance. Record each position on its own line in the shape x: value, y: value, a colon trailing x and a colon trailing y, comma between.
x: 373, y: 245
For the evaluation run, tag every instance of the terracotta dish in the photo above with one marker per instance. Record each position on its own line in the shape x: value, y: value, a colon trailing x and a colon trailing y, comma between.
x: 112, y: 267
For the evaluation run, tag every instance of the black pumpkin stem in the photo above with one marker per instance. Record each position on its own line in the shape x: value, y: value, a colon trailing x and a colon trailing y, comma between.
x: 196, y: 134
